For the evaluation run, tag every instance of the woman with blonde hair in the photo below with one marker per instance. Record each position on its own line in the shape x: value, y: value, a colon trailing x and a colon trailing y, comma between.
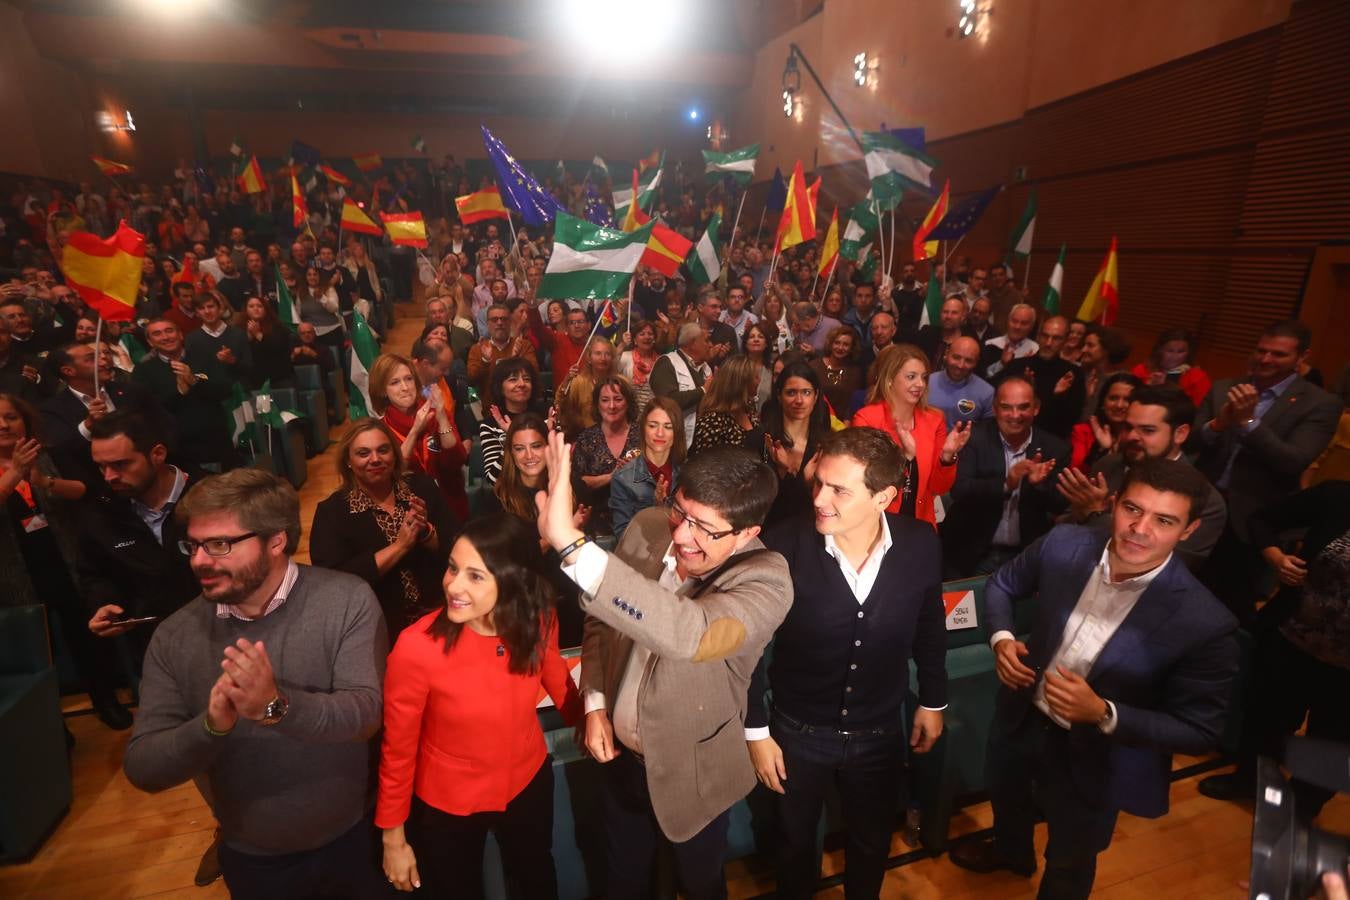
x: 898, y: 405
x: 726, y: 415
x: 576, y: 409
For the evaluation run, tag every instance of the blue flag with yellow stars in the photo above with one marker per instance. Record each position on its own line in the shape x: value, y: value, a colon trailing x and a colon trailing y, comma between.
x: 518, y: 188
x: 963, y: 216
x: 597, y: 210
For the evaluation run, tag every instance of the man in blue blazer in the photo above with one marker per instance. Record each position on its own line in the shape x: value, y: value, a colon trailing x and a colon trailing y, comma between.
x: 1130, y: 661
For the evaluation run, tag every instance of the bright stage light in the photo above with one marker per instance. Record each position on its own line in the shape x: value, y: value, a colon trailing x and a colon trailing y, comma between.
x: 693, y: 115
x: 787, y: 104
x: 618, y: 29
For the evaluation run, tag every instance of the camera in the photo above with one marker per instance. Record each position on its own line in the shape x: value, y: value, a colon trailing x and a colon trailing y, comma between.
x: 1289, y: 855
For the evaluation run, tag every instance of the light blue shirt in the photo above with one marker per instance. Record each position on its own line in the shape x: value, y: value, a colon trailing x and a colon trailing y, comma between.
x: 969, y: 401
x: 1264, y: 402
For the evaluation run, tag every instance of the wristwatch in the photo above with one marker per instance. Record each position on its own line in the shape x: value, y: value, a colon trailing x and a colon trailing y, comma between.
x: 275, y: 711
x: 1106, y: 716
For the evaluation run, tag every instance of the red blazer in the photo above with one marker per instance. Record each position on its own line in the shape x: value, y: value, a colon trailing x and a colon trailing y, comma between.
x: 930, y: 432
x: 459, y: 729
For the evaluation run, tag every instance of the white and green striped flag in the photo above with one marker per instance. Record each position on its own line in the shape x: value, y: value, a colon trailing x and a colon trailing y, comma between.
x: 364, y: 352
x: 648, y: 183
x: 862, y: 221
x: 1025, y: 230
x: 419, y: 143
x: 703, y: 263
x: 738, y: 164
x: 241, y: 413
x: 893, y: 165
x: 868, y: 267
x: 1056, y: 285
x: 288, y: 311
x: 591, y: 261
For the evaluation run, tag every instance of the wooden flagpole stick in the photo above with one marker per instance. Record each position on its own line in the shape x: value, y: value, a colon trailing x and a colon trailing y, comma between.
x: 98, y: 350
x: 829, y: 278
x: 1026, y: 274
x: 890, y: 258
x: 734, y: 225
x: 814, y: 279
x: 759, y: 232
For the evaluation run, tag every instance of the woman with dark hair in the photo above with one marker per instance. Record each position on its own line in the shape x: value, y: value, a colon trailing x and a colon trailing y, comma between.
x: 319, y: 306
x: 390, y: 529
x: 601, y: 449
x: 513, y: 389
x: 463, y: 753
x: 795, y: 422
x: 270, y: 344
x: 1091, y: 440
x: 839, y: 372
x: 636, y: 363
x: 646, y: 479
x: 1170, y: 361
x: 726, y: 416
x: 433, y: 332
x: 757, y: 345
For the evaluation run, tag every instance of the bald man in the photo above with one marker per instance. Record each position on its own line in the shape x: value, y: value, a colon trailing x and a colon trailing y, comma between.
x: 955, y: 389
x: 1058, y: 382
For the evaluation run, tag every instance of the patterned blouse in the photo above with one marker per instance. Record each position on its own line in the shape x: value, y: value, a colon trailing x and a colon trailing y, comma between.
x: 720, y: 429
x: 359, y: 501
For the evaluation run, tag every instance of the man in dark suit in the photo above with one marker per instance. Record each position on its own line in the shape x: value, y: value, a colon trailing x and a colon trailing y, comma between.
x: 1058, y: 383
x: 1004, y: 497
x: 1130, y: 661
x: 678, y: 617
x: 867, y: 597
x: 193, y: 398
x: 1257, y: 435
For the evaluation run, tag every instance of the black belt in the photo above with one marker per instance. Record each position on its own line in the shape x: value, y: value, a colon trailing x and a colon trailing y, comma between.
x: 802, y: 727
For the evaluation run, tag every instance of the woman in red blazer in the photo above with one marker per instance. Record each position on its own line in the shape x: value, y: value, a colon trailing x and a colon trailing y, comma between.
x: 898, y: 406
x: 463, y: 752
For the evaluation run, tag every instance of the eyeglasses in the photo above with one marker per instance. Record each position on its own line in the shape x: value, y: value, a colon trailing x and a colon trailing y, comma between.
x: 214, y: 546
x: 696, y: 528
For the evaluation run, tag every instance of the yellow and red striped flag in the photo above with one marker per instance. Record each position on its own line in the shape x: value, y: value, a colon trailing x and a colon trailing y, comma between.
x: 301, y: 212
x: 110, y: 168
x: 634, y: 218
x: 354, y: 218
x: 829, y: 251
x: 106, y: 273
x: 406, y: 229
x: 649, y: 161
x: 1103, y: 297
x: 251, y: 179
x: 666, y: 250
x: 334, y: 175
x: 367, y: 162
x: 924, y: 249
x: 481, y: 205
x: 798, y: 223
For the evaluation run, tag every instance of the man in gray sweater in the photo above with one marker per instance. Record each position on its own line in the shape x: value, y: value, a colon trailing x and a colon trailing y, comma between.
x: 266, y: 691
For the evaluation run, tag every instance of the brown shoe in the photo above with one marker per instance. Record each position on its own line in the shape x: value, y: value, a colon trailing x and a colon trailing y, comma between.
x: 982, y: 856
x: 208, y: 870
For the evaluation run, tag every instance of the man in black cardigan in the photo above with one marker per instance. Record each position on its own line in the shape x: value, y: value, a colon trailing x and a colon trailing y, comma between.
x: 868, y: 591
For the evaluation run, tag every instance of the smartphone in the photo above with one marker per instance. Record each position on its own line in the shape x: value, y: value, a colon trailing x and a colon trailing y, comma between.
x: 141, y: 620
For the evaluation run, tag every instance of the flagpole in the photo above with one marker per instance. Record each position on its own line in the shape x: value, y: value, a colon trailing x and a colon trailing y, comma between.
x: 98, y: 349
x: 887, y: 273
x: 759, y: 232
x: 829, y: 278
x: 1026, y: 275
x: 734, y: 225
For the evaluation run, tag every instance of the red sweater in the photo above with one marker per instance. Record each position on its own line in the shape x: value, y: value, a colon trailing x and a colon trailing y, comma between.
x: 930, y: 432
x: 459, y: 729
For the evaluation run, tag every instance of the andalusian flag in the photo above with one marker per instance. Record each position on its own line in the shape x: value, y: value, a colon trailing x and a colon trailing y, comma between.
x: 1103, y: 298
x: 647, y: 180
x: 335, y: 176
x: 368, y: 162
x: 110, y: 168
x: 1056, y: 284
x: 633, y: 216
x: 1026, y: 228
x: 251, y: 179
x: 364, y: 352
x: 923, y: 249
x: 738, y: 164
x: 867, y: 269
x: 354, y: 218
x: 288, y: 311
x: 106, y: 273
x: 406, y: 229
x: 703, y: 262
x: 862, y: 221
x: 300, y: 214
x: 591, y: 262
x: 829, y: 251
x: 932, y: 304
x: 241, y: 412
x: 666, y: 249
x: 236, y: 148
x: 893, y: 166
x: 481, y: 205
x: 798, y: 223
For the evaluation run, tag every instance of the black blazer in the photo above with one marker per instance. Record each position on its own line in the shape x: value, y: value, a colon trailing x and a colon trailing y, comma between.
x: 1168, y: 668
x: 63, y: 413
x: 977, y: 497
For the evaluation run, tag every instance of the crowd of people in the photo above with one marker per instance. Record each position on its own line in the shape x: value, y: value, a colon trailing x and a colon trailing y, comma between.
x: 763, y: 460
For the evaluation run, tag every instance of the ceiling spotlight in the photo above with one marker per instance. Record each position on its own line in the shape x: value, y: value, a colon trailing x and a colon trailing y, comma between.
x: 860, y: 69
x: 972, y: 17
x: 693, y: 115
x: 787, y: 103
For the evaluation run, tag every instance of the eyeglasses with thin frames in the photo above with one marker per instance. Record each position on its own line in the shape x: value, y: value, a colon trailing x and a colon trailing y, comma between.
x: 696, y: 528
x: 213, y: 546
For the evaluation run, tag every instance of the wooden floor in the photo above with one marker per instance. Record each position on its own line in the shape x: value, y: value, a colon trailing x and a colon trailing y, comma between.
x: 117, y: 842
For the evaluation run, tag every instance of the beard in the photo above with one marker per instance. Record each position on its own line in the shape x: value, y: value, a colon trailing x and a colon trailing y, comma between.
x: 236, y: 587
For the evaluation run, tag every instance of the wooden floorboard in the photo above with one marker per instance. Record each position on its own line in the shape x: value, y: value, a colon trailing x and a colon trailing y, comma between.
x: 118, y: 842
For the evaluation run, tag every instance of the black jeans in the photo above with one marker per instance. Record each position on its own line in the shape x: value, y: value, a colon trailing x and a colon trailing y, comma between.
x: 346, y: 868
x: 866, y: 767
x: 631, y: 834
x: 1030, y: 769
x: 450, y: 848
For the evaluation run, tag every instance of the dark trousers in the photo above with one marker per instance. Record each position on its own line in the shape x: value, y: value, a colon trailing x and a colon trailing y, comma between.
x: 450, y: 848
x: 866, y: 767
x: 632, y: 833
x: 346, y: 868
x: 1236, y: 573
x: 1029, y: 769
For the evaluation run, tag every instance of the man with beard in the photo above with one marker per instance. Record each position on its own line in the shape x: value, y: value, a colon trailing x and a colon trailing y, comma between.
x: 276, y: 734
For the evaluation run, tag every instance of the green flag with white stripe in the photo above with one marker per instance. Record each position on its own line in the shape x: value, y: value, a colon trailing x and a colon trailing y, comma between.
x: 1056, y: 285
x: 893, y: 166
x: 738, y: 164
x: 1025, y: 230
x: 648, y: 184
x: 288, y: 311
x: 862, y: 221
x: 932, y: 303
x: 591, y: 261
x: 703, y: 262
x: 364, y: 351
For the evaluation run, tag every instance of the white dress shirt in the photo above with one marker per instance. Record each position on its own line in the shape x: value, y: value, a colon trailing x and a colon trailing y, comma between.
x: 230, y: 611
x: 1009, y: 530
x: 1025, y: 347
x: 85, y: 400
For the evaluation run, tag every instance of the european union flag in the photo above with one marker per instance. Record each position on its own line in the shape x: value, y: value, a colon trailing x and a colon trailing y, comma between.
x: 962, y: 217
x: 777, y: 198
x: 518, y: 188
x: 304, y: 154
x: 597, y: 211
x: 914, y: 137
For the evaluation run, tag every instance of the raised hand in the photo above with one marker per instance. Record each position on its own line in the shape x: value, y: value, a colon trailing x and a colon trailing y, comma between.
x: 662, y: 490
x: 1086, y: 495
x: 1039, y: 471
x: 908, y: 446
x: 1105, y: 439
x: 554, y: 506
x: 25, y: 454
x: 420, y: 419
x: 503, y: 421
x: 250, y: 670
x: 956, y: 440
x: 1065, y: 383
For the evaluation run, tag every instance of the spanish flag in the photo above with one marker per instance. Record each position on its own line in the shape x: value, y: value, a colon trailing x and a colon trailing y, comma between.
x: 251, y: 179
x: 798, y: 223
x: 301, y: 212
x: 406, y: 229
x: 634, y: 218
x: 666, y: 250
x: 368, y: 162
x: 1102, y: 302
x: 334, y: 175
x: 110, y: 168
x: 106, y: 273
x: 651, y: 160
x: 481, y: 205
x: 924, y: 249
x: 829, y: 251
x: 355, y: 219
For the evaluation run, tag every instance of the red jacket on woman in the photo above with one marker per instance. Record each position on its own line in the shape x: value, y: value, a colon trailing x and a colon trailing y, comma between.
x: 460, y: 730
x: 930, y: 433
